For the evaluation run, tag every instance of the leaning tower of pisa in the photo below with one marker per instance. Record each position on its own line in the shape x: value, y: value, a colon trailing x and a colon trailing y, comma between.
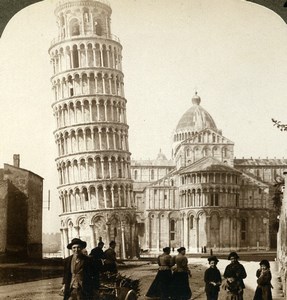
x: 89, y: 105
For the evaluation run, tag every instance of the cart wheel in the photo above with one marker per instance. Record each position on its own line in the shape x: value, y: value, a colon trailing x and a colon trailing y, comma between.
x: 131, y: 295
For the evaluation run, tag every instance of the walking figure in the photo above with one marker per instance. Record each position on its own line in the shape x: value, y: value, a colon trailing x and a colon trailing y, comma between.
x: 160, y: 287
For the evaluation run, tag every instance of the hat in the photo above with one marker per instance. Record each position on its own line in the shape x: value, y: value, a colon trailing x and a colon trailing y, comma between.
x: 180, y: 249
x: 233, y: 254
x: 213, y: 258
x: 166, y: 249
x: 265, y: 262
x: 77, y: 241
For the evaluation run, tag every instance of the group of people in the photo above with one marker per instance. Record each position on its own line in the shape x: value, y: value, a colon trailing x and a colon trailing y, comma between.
x: 233, y: 283
x: 172, y: 279
x: 81, y: 278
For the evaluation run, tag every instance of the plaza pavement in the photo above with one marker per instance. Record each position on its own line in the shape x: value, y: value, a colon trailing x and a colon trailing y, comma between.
x: 49, y: 289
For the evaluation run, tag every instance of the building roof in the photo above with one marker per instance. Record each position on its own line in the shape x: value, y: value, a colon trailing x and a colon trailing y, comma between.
x: 207, y: 164
x: 196, y: 118
x: 160, y: 161
x: 245, y: 162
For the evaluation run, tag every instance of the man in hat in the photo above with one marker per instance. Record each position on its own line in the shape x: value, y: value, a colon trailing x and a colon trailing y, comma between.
x: 78, y: 273
x: 238, y: 270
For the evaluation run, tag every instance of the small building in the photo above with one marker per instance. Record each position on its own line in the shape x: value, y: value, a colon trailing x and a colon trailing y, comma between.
x: 21, y: 199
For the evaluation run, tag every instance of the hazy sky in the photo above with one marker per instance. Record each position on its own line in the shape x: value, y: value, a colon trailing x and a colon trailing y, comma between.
x: 232, y: 52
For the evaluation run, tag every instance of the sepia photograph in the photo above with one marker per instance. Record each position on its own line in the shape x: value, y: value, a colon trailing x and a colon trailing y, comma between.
x: 143, y: 149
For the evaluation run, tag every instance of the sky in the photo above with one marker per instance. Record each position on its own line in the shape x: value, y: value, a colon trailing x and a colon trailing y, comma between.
x: 232, y: 52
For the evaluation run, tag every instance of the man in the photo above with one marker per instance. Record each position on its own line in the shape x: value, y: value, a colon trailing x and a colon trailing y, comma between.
x: 111, y: 258
x: 78, y: 273
x: 98, y: 256
x: 238, y: 270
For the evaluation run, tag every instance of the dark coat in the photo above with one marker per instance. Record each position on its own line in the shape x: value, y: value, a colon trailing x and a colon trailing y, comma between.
x: 88, y: 276
x: 212, y: 275
x: 263, y: 290
x: 238, y: 271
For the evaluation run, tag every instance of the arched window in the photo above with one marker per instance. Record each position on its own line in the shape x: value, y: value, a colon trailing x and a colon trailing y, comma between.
x: 98, y: 27
x: 172, y: 230
x: 191, y: 219
x: 243, y: 229
x: 74, y: 27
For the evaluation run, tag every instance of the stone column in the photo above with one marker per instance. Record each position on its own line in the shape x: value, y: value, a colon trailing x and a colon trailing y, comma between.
x: 157, y: 230
x: 123, y: 240
x: 185, y: 231
x: 105, y: 196
x: 113, y: 197
x: 196, y: 242
x: 220, y: 233
x: 97, y: 198
x: 101, y: 53
x: 93, y: 245
x: 66, y: 252
x: 208, y: 231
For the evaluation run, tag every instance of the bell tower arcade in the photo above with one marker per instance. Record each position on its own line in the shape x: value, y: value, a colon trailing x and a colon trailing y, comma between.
x: 89, y: 106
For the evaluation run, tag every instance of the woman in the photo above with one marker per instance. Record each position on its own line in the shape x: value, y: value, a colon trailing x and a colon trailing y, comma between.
x: 180, y: 289
x: 263, y: 290
x: 212, y: 279
x: 160, y: 287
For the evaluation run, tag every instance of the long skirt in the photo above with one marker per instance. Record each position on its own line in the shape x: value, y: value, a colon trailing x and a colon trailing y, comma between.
x: 263, y: 293
x: 160, y: 287
x: 180, y: 289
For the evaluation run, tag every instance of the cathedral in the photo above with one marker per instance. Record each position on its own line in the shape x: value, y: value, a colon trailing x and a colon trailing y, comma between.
x: 204, y: 198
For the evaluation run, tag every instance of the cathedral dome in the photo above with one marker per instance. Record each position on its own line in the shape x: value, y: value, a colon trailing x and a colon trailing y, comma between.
x: 195, y: 119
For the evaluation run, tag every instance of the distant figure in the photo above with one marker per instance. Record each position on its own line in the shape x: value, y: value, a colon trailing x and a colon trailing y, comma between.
x: 98, y: 256
x: 160, y: 287
x: 78, y: 273
x: 180, y: 289
x: 237, y: 270
x: 212, y: 279
x: 263, y: 290
x: 110, y: 263
x: 232, y: 287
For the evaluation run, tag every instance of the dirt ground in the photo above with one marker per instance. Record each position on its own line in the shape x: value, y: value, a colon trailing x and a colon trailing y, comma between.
x: 49, y: 289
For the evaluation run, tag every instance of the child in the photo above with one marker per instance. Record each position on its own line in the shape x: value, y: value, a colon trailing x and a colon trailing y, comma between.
x: 263, y: 290
x: 212, y: 279
x: 232, y: 287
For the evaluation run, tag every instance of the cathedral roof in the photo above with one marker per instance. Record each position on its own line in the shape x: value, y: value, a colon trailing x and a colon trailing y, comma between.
x: 196, y: 118
x: 208, y: 164
x: 252, y: 162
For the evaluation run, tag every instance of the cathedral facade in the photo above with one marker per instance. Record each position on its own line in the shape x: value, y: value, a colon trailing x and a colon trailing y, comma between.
x: 93, y: 159
x: 205, y: 199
